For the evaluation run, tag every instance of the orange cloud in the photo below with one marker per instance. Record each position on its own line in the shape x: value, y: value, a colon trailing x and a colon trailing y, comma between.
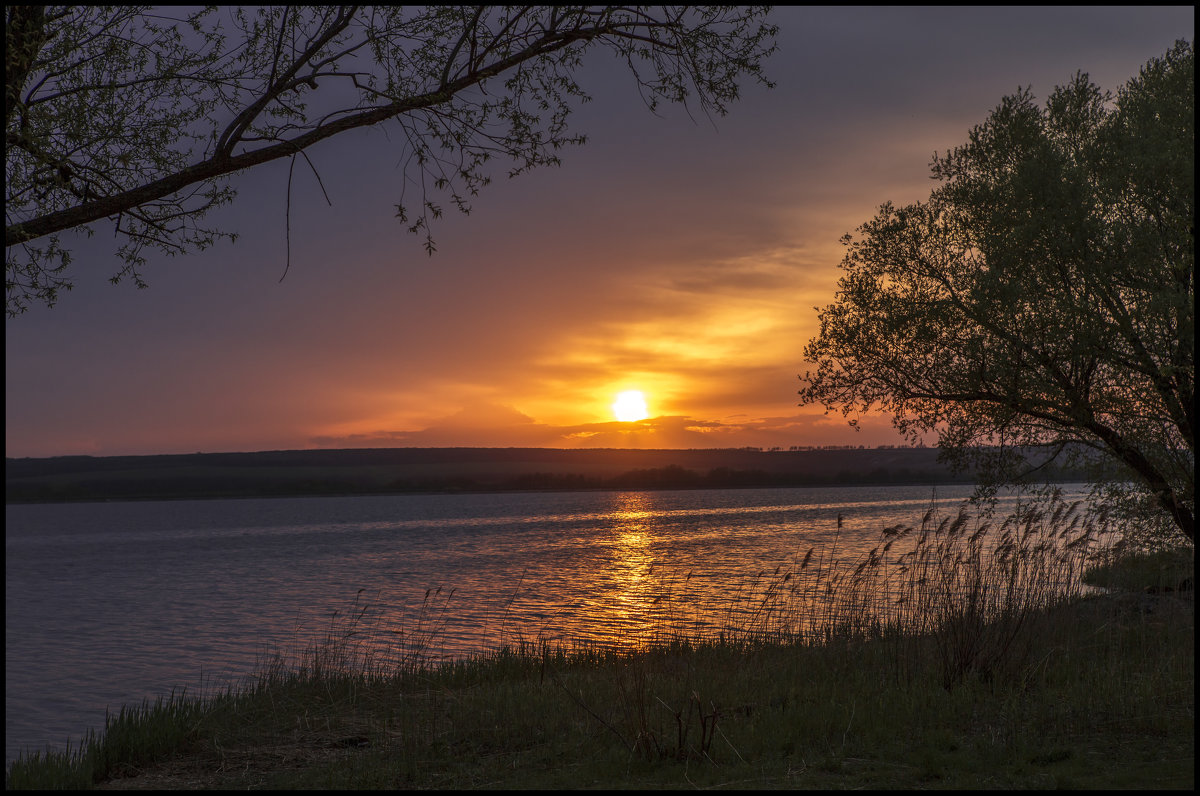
x: 494, y: 425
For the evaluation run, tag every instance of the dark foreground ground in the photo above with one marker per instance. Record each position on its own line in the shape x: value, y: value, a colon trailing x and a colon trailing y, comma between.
x: 774, y: 719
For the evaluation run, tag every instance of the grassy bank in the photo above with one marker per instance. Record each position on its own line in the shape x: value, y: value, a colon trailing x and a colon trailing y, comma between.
x: 977, y: 659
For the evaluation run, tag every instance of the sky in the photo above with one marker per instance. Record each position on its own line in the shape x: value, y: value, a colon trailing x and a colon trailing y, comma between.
x: 683, y: 257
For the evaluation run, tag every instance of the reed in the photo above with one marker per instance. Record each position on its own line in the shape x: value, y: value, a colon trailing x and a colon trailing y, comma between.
x: 945, y: 656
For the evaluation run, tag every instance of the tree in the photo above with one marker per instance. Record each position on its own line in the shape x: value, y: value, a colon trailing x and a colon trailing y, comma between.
x: 1043, y: 295
x: 127, y: 116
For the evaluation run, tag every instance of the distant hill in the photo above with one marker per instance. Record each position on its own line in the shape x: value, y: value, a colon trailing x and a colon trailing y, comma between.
x: 408, y: 470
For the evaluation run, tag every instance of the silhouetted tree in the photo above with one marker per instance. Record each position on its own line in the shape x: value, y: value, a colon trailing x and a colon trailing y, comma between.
x: 130, y: 115
x: 1044, y: 295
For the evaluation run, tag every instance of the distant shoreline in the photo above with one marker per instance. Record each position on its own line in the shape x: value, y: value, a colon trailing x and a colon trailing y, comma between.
x: 424, y: 471
x: 480, y: 491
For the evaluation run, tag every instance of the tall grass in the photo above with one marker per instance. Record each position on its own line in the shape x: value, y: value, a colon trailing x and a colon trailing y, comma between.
x: 975, y: 587
x: 956, y: 600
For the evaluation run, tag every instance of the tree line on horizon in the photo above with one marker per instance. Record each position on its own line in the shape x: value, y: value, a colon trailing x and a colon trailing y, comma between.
x: 244, y: 482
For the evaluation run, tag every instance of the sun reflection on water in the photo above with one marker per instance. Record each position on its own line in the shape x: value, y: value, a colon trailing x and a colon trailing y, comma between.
x: 632, y: 562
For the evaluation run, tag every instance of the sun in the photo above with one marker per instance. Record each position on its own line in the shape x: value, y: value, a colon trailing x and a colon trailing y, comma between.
x: 630, y: 406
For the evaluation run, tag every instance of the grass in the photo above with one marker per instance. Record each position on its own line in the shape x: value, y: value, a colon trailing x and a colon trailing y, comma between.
x: 953, y: 655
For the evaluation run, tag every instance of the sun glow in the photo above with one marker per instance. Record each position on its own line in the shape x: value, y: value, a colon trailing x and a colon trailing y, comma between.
x: 630, y: 406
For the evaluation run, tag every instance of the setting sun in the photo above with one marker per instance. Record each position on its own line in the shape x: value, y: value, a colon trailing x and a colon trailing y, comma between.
x: 630, y: 406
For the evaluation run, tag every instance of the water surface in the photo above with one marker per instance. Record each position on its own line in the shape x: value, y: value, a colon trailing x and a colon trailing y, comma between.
x: 111, y: 603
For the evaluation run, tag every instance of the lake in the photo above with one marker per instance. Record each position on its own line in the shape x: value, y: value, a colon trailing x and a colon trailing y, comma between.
x: 111, y: 603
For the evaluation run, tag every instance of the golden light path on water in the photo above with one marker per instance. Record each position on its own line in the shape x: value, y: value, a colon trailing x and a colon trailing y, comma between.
x: 632, y: 561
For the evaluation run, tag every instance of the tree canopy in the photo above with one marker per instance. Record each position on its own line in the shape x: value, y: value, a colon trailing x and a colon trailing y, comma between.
x: 1043, y: 297
x: 131, y: 119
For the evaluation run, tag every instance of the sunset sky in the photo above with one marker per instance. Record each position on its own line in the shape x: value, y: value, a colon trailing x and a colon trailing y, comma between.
x: 683, y: 258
